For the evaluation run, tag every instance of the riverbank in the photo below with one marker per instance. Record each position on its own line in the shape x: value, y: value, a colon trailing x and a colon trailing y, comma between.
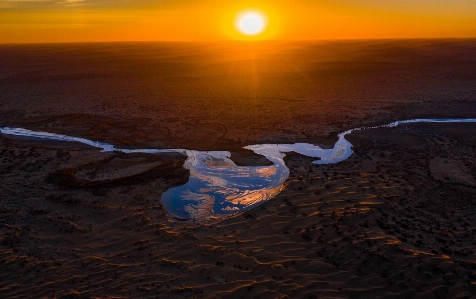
x: 216, y: 187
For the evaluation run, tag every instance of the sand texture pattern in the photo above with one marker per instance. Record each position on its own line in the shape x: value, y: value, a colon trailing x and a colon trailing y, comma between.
x: 378, y: 225
x: 395, y: 220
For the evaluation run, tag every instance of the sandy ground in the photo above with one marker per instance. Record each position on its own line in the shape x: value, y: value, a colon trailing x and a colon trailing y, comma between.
x: 395, y: 220
x: 224, y: 97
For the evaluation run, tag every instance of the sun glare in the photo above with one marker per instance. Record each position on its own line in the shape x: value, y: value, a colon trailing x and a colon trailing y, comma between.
x: 251, y: 22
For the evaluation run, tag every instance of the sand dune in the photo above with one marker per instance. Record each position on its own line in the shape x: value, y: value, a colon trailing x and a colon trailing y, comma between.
x: 378, y: 225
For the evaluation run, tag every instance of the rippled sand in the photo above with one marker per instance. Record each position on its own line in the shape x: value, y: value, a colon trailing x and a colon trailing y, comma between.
x: 392, y: 221
x: 376, y: 225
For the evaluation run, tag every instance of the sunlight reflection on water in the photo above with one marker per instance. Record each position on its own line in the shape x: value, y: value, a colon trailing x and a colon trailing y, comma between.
x: 217, y: 186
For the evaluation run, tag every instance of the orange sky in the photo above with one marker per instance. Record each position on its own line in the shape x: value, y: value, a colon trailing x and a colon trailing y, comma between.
x: 24, y: 21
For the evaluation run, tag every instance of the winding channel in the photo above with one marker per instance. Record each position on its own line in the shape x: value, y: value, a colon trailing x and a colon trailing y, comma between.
x: 217, y: 186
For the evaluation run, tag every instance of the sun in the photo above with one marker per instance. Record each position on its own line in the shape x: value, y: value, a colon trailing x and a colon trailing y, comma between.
x: 251, y: 22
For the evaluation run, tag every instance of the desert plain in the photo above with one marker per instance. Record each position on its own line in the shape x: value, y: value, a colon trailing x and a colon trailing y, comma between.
x: 395, y: 220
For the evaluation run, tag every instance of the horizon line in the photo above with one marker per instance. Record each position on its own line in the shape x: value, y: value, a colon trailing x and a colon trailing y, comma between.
x: 243, y: 40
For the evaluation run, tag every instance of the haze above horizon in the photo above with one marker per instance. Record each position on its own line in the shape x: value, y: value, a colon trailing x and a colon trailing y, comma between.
x: 45, y: 21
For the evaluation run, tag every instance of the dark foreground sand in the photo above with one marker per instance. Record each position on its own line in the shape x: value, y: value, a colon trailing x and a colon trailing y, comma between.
x: 395, y: 220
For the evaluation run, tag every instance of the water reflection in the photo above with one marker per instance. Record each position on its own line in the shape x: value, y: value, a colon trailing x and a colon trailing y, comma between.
x: 217, y: 186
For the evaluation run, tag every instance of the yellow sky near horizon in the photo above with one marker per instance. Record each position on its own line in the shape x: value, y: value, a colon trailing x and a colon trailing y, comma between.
x: 33, y: 21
